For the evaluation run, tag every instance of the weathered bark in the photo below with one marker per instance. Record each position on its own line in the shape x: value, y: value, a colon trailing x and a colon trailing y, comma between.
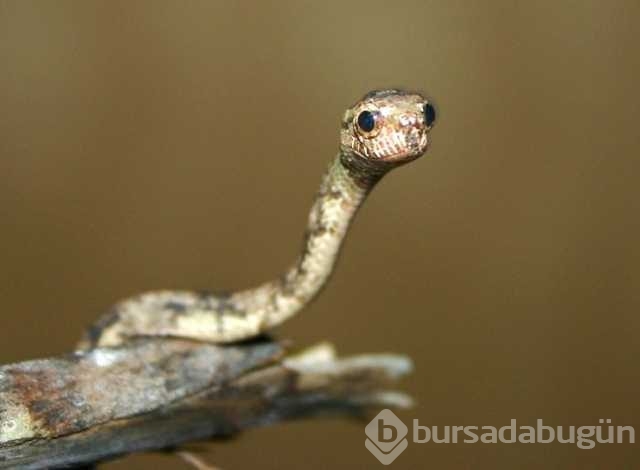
x: 157, y: 394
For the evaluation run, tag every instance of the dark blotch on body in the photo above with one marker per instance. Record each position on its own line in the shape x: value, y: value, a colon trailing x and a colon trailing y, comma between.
x: 94, y: 332
x: 175, y: 306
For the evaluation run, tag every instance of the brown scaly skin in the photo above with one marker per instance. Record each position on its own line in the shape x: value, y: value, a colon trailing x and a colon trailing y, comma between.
x: 392, y: 131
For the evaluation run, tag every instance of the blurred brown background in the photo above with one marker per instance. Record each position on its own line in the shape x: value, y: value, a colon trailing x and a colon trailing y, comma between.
x: 179, y: 144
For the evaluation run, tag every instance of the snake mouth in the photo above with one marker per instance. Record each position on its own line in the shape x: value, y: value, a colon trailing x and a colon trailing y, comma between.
x: 395, y: 145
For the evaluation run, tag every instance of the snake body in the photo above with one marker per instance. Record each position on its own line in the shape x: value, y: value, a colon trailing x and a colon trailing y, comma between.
x: 383, y: 130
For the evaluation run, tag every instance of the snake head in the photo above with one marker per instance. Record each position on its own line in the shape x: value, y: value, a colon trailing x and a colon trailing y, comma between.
x: 390, y: 126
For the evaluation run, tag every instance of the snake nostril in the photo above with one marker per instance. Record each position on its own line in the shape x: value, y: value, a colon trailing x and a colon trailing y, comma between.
x: 407, y: 120
x: 429, y: 114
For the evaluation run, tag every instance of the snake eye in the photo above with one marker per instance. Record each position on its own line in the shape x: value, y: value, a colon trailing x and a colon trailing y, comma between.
x: 366, y: 122
x: 429, y: 114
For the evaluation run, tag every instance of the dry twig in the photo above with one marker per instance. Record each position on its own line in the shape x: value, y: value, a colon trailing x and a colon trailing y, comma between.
x: 161, y: 393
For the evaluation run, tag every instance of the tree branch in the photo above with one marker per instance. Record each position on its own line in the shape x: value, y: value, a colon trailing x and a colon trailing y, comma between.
x: 156, y: 394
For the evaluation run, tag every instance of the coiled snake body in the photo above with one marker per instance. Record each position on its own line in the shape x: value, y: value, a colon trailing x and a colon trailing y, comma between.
x: 385, y: 129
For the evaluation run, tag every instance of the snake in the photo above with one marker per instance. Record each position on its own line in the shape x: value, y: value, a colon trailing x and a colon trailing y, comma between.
x: 384, y: 130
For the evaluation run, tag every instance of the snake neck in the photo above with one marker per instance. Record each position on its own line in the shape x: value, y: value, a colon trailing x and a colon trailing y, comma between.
x: 246, y: 313
x: 344, y: 188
